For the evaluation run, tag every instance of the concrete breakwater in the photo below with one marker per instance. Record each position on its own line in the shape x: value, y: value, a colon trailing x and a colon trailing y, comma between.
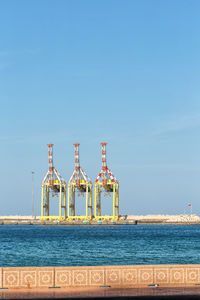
x: 123, y: 220
x: 100, y: 276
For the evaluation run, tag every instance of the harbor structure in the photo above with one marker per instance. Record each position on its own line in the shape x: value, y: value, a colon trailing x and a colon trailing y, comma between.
x: 81, y: 185
x: 53, y: 187
x: 106, y: 182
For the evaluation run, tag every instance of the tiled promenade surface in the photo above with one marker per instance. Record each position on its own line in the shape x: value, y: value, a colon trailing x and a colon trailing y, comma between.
x: 102, y: 293
x: 100, y: 276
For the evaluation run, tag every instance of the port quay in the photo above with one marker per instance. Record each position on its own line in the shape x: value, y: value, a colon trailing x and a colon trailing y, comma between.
x: 79, y: 184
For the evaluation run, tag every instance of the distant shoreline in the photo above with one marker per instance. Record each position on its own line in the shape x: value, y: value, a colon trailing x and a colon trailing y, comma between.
x: 123, y: 220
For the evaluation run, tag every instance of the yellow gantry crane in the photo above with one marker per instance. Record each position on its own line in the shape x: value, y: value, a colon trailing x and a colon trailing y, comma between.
x: 79, y: 183
x: 53, y: 185
x: 107, y: 183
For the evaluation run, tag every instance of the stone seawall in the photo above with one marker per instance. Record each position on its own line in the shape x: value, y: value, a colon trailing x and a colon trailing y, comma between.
x: 100, y: 276
x: 123, y: 220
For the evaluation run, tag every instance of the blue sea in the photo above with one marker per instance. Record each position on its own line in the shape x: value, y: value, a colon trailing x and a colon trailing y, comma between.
x: 33, y: 245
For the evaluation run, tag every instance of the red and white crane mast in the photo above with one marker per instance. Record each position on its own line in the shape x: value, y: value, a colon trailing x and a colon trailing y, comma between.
x: 79, y: 182
x: 53, y: 185
x: 106, y: 181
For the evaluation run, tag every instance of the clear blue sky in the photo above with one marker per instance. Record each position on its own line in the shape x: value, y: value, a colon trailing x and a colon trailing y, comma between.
x: 125, y: 72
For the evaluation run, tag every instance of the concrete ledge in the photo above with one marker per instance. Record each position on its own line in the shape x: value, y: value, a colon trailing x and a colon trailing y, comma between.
x: 1, y: 278
x: 100, y: 276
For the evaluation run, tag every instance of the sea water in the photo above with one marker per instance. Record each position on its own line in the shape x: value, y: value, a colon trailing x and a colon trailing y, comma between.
x: 33, y: 245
